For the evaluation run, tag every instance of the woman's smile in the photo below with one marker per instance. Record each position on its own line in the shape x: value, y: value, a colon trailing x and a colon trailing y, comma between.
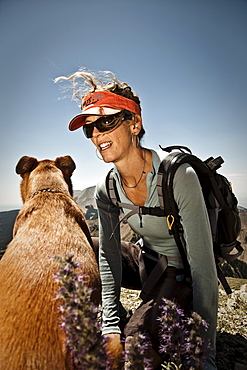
x: 105, y: 145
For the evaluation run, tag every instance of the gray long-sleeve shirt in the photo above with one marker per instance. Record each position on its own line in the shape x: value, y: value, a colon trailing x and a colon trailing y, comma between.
x: 194, y: 218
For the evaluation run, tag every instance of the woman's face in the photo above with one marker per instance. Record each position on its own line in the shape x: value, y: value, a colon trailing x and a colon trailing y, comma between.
x: 113, y: 145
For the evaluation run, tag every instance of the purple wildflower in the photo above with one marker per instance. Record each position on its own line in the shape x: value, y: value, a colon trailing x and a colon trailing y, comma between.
x: 79, y: 317
x: 135, y: 352
x: 181, y: 341
x: 197, y: 346
x: 172, y: 331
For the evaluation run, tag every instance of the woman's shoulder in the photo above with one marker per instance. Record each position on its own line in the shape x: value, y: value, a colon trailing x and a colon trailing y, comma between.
x: 184, y: 170
x: 101, y: 186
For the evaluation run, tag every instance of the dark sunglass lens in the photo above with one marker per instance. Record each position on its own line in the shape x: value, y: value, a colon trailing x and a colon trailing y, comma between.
x: 88, y: 130
x: 107, y: 121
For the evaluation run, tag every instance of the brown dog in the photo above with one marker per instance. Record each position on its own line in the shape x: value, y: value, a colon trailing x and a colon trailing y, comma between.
x: 49, y: 223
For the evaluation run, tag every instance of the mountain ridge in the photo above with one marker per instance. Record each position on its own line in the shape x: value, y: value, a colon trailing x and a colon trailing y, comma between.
x: 86, y: 201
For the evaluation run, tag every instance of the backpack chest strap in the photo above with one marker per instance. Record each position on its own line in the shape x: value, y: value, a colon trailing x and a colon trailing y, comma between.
x: 134, y: 209
x: 141, y: 211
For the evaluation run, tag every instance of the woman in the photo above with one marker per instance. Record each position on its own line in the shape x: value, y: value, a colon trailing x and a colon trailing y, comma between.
x: 111, y: 118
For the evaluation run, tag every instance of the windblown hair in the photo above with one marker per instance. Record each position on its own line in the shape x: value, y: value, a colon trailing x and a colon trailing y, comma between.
x: 84, y: 82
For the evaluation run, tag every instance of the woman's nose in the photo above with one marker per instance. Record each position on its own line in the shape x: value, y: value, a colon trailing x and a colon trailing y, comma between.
x: 96, y: 132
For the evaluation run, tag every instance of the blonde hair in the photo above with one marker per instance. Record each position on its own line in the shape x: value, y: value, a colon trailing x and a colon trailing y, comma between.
x: 84, y: 82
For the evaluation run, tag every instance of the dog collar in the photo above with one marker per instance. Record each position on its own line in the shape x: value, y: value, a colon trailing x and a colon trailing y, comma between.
x: 44, y: 191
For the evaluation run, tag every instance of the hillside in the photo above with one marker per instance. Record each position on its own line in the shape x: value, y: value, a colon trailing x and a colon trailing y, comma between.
x: 85, y: 198
x: 7, y: 220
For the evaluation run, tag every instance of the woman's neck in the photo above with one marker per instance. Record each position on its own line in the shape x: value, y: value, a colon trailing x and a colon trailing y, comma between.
x: 133, y: 176
x: 134, y: 168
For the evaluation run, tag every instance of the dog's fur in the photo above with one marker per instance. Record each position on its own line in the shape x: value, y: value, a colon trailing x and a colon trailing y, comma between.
x: 49, y: 223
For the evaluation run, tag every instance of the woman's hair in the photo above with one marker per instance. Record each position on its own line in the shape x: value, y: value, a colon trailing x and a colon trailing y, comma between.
x: 85, y: 82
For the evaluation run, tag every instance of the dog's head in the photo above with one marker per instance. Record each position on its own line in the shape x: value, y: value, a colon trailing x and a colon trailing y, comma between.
x: 46, y: 174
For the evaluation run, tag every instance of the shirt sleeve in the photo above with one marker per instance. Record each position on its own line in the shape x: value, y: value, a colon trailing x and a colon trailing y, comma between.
x: 110, y: 260
x: 199, y: 245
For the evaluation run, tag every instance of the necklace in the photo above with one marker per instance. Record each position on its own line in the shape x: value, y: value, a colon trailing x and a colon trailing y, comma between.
x: 142, y: 173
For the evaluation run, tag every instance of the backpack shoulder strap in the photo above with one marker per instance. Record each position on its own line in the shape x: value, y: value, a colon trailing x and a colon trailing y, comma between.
x: 166, y: 174
x: 113, y: 195
x: 111, y: 188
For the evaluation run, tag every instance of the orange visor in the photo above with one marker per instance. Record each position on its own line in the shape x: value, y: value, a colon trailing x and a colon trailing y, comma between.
x: 102, y: 103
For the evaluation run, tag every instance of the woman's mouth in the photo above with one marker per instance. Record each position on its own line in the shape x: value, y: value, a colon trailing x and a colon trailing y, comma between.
x: 104, y: 146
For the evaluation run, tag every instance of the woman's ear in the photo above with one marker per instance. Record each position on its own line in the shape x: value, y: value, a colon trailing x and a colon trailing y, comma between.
x: 137, y: 125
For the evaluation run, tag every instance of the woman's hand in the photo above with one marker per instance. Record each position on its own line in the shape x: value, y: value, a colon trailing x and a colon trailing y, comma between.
x: 114, y: 350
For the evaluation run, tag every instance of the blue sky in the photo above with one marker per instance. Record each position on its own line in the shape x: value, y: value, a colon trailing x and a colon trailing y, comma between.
x: 185, y: 58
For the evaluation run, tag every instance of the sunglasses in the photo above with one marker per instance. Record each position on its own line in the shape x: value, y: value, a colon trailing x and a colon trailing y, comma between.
x: 106, y: 123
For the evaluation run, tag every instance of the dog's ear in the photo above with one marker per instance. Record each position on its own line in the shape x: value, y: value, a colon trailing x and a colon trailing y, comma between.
x: 66, y: 165
x: 26, y: 164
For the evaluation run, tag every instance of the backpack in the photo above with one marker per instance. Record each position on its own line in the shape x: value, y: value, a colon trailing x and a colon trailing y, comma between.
x: 220, y: 201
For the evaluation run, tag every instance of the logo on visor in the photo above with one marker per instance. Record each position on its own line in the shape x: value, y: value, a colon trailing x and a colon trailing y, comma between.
x: 92, y: 100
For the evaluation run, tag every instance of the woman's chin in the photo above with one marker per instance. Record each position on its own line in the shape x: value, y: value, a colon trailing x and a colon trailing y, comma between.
x: 106, y: 158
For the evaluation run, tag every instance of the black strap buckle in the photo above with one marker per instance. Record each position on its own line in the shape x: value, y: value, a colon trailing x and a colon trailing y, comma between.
x: 153, y: 211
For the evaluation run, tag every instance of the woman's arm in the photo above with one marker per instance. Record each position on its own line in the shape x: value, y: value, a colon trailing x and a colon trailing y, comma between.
x: 197, y: 233
x: 110, y: 261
